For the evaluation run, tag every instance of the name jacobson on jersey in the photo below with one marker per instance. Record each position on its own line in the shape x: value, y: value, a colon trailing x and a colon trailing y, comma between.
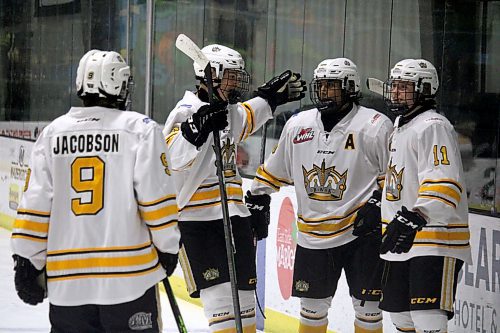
x: 86, y: 143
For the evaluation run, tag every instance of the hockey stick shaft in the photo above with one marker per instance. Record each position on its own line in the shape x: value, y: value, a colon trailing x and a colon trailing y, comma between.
x: 188, y: 47
x: 174, y: 306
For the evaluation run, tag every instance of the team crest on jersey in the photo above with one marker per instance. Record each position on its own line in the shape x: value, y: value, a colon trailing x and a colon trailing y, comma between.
x: 211, y: 274
x: 301, y: 285
x: 228, y: 150
x: 325, y: 184
x: 394, y: 183
x: 305, y: 134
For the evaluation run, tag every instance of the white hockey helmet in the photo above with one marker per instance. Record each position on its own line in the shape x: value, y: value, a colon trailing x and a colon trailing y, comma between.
x: 342, y: 70
x: 424, y: 79
x: 103, y: 73
x: 230, y: 75
x: 221, y: 57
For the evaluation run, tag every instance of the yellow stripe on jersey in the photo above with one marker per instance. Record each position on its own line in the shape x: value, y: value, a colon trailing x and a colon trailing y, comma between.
x: 331, y: 217
x: 211, y: 204
x: 82, y: 263
x: 29, y: 237
x: 31, y: 225
x: 445, y: 190
x: 327, y: 227
x: 33, y: 212
x: 103, y: 275
x: 443, y: 235
x: 157, y: 201
x: 215, y: 194
x: 236, y: 182
x: 265, y: 177
x: 250, y: 120
x: 163, y: 225
x: 329, y: 235
x: 267, y: 183
x: 435, y: 197
x: 100, y: 249
x: 443, y: 181
x: 158, y: 213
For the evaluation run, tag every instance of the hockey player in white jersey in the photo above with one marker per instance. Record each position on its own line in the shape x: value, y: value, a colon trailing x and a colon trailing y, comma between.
x: 424, y: 205
x: 335, y: 155
x: 98, y: 212
x: 188, y: 131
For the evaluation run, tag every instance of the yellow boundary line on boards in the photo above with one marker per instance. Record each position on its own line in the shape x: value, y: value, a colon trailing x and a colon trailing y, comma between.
x: 276, y: 322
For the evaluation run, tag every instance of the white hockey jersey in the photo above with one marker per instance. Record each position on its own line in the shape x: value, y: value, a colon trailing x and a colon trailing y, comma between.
x: 97, y: 202
x: 334, y: 173
x: 425, y: 174
x: 198, y: 194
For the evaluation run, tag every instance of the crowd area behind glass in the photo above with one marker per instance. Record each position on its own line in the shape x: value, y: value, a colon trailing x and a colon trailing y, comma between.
x: 41, y: 42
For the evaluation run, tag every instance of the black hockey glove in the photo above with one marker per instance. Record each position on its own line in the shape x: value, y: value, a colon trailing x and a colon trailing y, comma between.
x: 284, y: 88
x: 400, y: 233
x: 26, y: 281
x: 258, y: 205
x: 207, y: 119
x: 168, y: 261
x: 368, y: 218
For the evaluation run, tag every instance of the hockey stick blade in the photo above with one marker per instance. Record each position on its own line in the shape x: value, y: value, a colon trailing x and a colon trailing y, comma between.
x: 375, y: 85
x: 189, y: 48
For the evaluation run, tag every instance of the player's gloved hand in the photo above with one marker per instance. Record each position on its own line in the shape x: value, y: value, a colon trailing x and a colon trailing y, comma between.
x: 168, y: 261
x: 258, y: 205
x: 26, y: 281
x: 368, y: 219
x: 207, y: 119
x: 284, y: 88
x: 400, y: 233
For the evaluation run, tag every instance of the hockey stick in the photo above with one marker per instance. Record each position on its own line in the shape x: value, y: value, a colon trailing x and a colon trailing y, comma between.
x: 189, y: 48
x: 375, y: 85
x: 174, y: 306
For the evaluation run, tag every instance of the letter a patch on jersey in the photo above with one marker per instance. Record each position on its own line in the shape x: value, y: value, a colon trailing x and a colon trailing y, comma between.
x: 349, y: 143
